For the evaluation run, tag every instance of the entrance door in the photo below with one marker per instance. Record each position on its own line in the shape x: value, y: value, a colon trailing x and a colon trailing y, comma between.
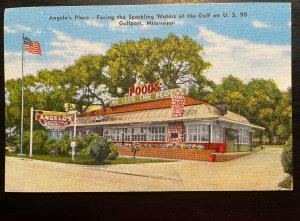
x: 231, y: 137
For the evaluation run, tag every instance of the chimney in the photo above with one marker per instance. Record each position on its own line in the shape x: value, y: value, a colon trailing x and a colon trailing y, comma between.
x: 223, y: 108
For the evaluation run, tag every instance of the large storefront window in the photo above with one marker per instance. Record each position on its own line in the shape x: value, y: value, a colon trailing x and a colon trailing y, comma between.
x: 132, y: 134
x: 198, y: 133
x: 244, y: 137
x: 157, y: 133
x: 217, y: 134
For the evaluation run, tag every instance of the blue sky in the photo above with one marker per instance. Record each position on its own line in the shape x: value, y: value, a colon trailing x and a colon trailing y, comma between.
x: 251, y: 46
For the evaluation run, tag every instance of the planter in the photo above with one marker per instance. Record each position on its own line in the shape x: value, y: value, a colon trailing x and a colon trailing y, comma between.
x: 212, y: 157
x: 222, y: 148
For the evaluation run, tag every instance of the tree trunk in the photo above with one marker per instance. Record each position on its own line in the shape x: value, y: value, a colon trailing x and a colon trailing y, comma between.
x: 270, y: 138
x: 261, y: 138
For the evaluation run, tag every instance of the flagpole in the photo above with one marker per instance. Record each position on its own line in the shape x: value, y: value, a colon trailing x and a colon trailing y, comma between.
x: 31, y: 131
x: 22, y: 108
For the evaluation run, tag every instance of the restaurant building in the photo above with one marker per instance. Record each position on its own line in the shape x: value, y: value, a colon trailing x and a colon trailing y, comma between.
x: 157, y: 120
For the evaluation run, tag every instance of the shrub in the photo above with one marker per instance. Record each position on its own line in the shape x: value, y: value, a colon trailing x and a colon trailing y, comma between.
x: 65, y: 144
x: 89, y: 138
x: 195, y: 147
x: 113, y: 152
x: 185, y: 147
x: 11, y: 140
x: 52, y: 146
x: 98, y: 149
x: 135, y: 148
x: 287, y: 157
x: 81, y: 144
x: 286, y: 183
x: 26, y: 137
x: 39, y: 139
x: 145, y: 145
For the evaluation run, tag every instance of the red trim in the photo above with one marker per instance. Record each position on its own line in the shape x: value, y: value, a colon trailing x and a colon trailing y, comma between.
x: 209, y: 146
x: 156, y: 104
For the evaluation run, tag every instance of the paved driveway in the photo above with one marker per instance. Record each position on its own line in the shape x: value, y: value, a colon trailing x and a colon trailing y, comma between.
x: 258, y: 171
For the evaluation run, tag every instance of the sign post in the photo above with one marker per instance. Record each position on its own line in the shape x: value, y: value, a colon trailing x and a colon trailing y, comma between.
x: 50, y: 120
x: 73, y: 145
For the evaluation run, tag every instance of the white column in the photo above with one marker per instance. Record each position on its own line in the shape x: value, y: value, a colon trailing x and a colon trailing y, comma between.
x: 74, y: 135
x: 210, y: 136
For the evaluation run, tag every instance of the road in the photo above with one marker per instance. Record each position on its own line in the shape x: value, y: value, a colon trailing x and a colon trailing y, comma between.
x: 258, y: 171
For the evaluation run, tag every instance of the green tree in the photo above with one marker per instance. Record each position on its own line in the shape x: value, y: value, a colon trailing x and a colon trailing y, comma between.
x: 172, y: 61
x: 231, y: 91
x: 284, y: 112
x: 87, y: 79
x: 13, y: 103
x: 287, y: 157
x: 262, y: 97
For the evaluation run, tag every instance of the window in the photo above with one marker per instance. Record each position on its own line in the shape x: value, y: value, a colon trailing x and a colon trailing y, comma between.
x: 157, y: 133
x: 198, y: 133
x: 244, y: 137
x: 140, y: 134
x: 55, y: 134
x: 217, y: 134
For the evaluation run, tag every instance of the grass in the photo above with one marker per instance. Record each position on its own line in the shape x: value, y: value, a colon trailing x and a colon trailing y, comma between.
x: 273, y: 146
x: 262, y: 147
x: 84, y: 161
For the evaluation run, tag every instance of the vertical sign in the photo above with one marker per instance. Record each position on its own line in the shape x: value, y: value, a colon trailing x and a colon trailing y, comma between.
x: 178, y: 101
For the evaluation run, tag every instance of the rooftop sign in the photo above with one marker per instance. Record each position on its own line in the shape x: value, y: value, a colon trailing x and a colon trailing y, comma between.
x: 147, y: 97
x: 144, y: 89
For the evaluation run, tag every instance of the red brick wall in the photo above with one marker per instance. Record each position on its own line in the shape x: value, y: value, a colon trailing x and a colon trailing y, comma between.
x: 201, y: 155
x: 168, y: 153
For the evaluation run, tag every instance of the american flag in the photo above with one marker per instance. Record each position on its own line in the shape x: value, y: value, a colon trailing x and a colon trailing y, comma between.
x: 32, y: 46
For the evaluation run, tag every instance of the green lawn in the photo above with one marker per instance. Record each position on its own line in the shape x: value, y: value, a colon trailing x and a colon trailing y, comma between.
x: 84, y: 161
x: 273, y: 146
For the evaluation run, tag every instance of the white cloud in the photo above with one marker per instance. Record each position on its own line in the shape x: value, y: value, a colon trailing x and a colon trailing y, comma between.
x: 16, y: 28
x: 245, y: 59
x: 94, y: 23
x: 289, y: 24
x: 38, y: 32
x: 65, y: 50
x: 259, y: 24
x: 115, y: 26
x: 20, y: 28
x: 13, y: 64
x: 9, y: 29
x: 68, y: 47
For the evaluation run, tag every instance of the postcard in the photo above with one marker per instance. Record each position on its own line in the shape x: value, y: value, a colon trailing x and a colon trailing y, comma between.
x: 141, y: 98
